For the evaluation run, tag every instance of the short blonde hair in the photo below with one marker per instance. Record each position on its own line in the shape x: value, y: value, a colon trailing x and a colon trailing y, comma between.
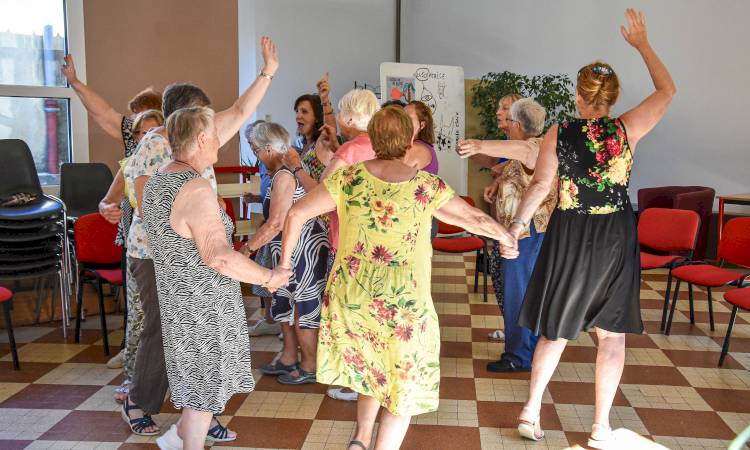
x: 184, y: 126
x: 272, y: 135
x: 390, y: 132
x: 512, y: 97
x: 149, y: 114
x: 358, y: 105
x: 530, y: 115
x: 598, y: 85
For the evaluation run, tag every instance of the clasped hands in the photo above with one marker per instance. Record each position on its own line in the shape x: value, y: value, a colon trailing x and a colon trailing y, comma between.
x: 280, y: 276
x: 509, y: 241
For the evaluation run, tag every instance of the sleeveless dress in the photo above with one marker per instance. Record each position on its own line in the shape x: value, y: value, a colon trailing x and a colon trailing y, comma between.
x: 206, y: 345
x: 588, y: 270
x: 305, y: 290
x: 433, y: 167
x: 379, y: 332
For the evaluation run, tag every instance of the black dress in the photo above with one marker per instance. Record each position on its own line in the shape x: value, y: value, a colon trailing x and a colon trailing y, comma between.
x: 588, y: 271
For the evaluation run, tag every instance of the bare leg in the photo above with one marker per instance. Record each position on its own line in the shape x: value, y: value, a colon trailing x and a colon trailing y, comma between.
x: 266, y: 301
x: 308, y: 344
x: 392, y: 431
x: 610, y: 360
x: 367, y: 412
x: 289, y: 353
x: 546, y: 357
x: 193, y: 427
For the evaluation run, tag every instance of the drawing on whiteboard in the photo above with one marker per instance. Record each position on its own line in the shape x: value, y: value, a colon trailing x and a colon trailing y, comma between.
x: 401, y: 88
x: 445, y: 121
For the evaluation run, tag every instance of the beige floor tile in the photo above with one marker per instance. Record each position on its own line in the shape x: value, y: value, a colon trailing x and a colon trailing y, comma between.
x: 73, y: 445
x: 7, y: 390
x: 508, y: 439
x: 736, y: 421
x: 646, y: 357
x: 686, y: 443
x: 578, y: 418
x: 460, y: 413
x: 716, y: 378
x: 742, y: 358
x: 664, y: 397
x: 486, y: 350
x: 739, y: 330
x: 79, y: 373
x: 574, y: 372
x: 505, y: 390
x: 491, y: 322
x: 27, y: 424
x: 461, y: 309
x: 684, y: 342
x: 23, y: 335
x: 456, y: 367
x: 455, y: 334
x: 266, y: 344
x: 102, y: 400
x: 47, y: 353
x: 286, y: 405
x: 583, y: 340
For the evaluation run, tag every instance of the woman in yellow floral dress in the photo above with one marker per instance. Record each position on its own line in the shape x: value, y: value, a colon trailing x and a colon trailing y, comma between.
x: 379, y: 332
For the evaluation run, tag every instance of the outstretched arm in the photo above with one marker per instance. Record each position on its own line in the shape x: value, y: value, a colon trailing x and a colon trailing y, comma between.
x: 315, y: 203
x: 229, y: 121
x: 102, y: 112
x: 641, y: 119
x: 457, y: 212
x: 523, y: 151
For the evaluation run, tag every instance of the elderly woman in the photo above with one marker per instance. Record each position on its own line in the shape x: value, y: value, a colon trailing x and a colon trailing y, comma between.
x: 206, y: 345
x: 588, y: 271
x: 422, y: 154
x: 296, y: 307
x: 379, y: 333
x: 503, y: 110
x: 526, y: 125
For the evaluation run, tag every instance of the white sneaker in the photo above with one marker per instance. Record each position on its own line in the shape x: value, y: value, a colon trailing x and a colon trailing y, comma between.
x: 264, y: 328
x: 339, y: 393
x: 116, y: 361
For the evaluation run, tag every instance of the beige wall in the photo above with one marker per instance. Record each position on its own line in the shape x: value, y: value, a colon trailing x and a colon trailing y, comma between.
x: 137, y: 43
x: 477, y: 178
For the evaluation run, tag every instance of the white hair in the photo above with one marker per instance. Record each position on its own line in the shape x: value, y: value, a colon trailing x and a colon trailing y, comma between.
x: 271, y: 134
x: 358, y: 106
x: 530, y: 115
x: 249, y: 130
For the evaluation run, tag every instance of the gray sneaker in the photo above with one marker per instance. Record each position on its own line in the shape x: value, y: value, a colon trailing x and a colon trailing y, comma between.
x: 264, y: 328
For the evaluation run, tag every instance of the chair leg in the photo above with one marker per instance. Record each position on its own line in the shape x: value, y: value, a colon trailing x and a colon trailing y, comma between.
x: 476, y: 274
x: 486, y: 260
x: 79, y: 308
x: 725, y: 347
x: 11, y: 336
x: 710, y: 308
x: 674, y: 305
x: 103, y: 317
x: 690, y: 300
x: 666, y: 301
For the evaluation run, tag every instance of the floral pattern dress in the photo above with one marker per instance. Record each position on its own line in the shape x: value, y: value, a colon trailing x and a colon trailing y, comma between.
x: 379, y: 332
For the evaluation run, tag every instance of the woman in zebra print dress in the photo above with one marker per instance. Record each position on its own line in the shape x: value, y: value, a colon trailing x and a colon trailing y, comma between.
x: 206, y: 345
x: 296, y: 307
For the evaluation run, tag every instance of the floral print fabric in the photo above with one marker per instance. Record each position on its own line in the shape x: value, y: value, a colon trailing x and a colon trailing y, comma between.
x: 379, y: 332
x: 594, y: 166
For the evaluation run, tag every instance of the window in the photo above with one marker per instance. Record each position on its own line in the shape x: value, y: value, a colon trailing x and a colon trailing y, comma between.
x: 35, y: 100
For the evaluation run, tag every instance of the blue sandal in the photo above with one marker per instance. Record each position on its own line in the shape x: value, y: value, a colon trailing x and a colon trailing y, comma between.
x: 138, y: 425
x: 219, y: 433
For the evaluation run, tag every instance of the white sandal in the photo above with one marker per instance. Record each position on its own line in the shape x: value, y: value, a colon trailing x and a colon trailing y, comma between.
x: 528, y: 429
x: 497, y: 336
x: 609, y: 437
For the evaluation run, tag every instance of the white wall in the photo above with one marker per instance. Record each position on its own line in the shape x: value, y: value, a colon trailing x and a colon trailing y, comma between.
x: 348, y: 38
x: 702, y: 139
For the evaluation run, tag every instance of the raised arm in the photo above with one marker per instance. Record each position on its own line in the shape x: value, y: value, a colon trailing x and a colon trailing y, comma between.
x: 102, y: 112
x: 546, y: 168
x: 324, y: 91
x: 315, y: 203
x: 195, y: 215
x: 641, y: 119
x: 457, y: 212
x: 523, y: 151
x: 229, y: 121
x: 281, y: 201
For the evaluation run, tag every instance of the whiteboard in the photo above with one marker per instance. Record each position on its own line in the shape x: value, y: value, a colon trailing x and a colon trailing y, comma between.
x: 442, y: 89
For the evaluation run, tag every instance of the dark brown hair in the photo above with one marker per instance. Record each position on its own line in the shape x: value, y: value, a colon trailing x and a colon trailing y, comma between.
x: 390, y: 132
x: 317, y: 107
x: 145, y: 100
x: 426, y: 134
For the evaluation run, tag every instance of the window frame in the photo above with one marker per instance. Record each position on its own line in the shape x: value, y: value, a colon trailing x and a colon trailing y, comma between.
x: 78, y: 132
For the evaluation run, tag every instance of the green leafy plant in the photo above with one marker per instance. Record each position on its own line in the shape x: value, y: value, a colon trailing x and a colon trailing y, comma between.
x: 554, y: 92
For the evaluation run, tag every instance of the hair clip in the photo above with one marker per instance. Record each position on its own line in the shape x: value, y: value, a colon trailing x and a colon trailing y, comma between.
x: 602, y: 70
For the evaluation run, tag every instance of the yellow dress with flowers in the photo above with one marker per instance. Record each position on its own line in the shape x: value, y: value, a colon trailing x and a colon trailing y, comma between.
x: 379, y: 332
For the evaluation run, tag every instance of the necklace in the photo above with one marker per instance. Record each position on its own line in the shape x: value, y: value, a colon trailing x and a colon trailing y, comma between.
x: 187, y: 164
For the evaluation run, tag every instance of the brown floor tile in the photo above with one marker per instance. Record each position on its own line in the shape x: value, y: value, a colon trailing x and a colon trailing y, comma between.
x: 480, y: 334
x: 341, y: 410
x: 719, y: 317
x: 726, y: 400
x: 458, y: 388
x: 260, y: 358
x: 95, y: 355
x: 736, y: 344
x: 269, y: 383
x: 101, y: 426
x: 485, y: 309
x: 29, y: 372
x: 694, y: 358
x: 447, y: 265
x: 480, y: 371
x: 455, y: 349
x: 449, y: 297
x: 454, y: 320
x: 505, y: 415
x: 13, y: 445
x: 441, y: 437
x: 570, y: 393
x: 5, y: 348
x: 50, y: 396
x: 683, y: 295
x: 579, y: 354
x: 130, y: 446
x: 448, y: 279
x: 87, y: 336
x: 678, y: 328
x: 648, y: 303
x: 269, y: 433
x: 117, y: 380
x: 645, y: 276
x: 577, y: 438
x: 658, y: 375
x: 639, y: 340
x: 699, y: 424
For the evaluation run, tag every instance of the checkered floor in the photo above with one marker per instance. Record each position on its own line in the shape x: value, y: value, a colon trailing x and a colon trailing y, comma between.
x: 671, y: 391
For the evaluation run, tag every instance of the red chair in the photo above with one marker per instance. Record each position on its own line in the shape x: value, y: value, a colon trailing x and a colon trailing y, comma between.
x: 98, y: 258
x: 734, y: 248
x: 464, y: 244
x: 738, y: 298
x: 230, y: 212
x: 670, y: 231
x: 6, y: 295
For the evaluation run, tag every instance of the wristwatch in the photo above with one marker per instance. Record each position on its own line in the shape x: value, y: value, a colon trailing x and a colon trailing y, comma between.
x: 267, y: 76
x: 520, y: 222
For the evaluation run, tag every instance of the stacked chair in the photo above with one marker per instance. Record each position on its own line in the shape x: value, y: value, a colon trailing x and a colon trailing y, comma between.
x: 33, y: 236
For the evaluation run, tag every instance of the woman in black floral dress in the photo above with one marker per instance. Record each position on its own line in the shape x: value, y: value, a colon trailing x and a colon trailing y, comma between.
x: 587, y: 271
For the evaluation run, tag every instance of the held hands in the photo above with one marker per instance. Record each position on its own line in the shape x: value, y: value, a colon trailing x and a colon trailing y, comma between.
x: 110, y: 211
x: 270, y: 56
x: 469, y: 147
x: 635, y: 33
x: 69, y: 69
x: 509, y: 243
x: 279, y: 278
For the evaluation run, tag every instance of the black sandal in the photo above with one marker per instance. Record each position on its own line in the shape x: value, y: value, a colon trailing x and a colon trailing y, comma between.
x: 277, y: 368
x: 219, y: 433
x: 138, y: 425
x: 302, y: 377
x: 357, y: 443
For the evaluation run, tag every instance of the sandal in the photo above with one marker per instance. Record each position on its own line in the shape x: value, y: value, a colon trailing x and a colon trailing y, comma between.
x: 122, y: 391
x: 138, y: 425
x: 528, y: 429
x: 219, y: 433
x: 606, y: 432
x: 357, y: 443
x: 496, y: 336
x: 277, y: 368
x: 170, y: 440
x: 301, y: 378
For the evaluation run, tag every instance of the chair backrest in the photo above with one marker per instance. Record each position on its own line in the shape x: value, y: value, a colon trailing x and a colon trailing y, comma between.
x: 95, y: 240
x: 17, y: 169
x: 734, y: 247
x: 668, y: 230
x: 445, y: 228
x: 83, y: 185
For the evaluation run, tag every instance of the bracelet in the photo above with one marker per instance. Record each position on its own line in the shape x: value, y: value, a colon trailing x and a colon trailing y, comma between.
x: 267, y: 76
x: 295, y: 170
x: 265, y: 283
x: 520, y: 222
x: 247, y: 246
x: 328, y: 113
